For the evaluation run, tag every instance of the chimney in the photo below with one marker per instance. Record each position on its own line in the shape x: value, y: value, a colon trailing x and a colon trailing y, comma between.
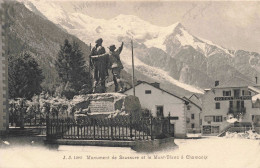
x: 256, y: 79
x: 155, y: 84
x: 216, y: 83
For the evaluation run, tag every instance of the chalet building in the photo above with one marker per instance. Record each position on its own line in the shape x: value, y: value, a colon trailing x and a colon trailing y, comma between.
x: 193, y: 112
x: 3, y: 91
x: 236, y: 99
x: 161, y: 103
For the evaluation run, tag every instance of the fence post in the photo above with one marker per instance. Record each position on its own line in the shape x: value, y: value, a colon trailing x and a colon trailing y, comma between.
x: 169, y: 123
x: 62, y: 125
x: 77, y: 129
x: 131, y: 136
x: 151, y: 127
x: 35, y: 118
x: 57, y: 126
x: 143, y: 127
x: 47, y: 126
x: 51, y: 128
x: 111, y: 129
x: 94, y: 127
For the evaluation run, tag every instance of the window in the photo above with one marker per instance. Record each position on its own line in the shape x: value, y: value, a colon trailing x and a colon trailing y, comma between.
x: 242, y: 104
x: 213, y: 118
x: 217, y: 118
x: 206, y: 129
x: 238, y: 104
x: 237, y: 93
x: 217, y: 105
x: 192, y: 126
x: 146, y: 113
x: 148, y: 92
x: 188, y: 107
x: 192, y: 116
x: 227, y: 93
x: 215, y: 129
x: 231, y: 104
x: 159, y: 111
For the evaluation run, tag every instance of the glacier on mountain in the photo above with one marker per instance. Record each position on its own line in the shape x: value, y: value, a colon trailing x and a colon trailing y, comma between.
x: 145, y: 35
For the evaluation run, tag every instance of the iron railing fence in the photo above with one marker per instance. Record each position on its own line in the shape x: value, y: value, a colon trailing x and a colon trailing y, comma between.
x: 120, y: 128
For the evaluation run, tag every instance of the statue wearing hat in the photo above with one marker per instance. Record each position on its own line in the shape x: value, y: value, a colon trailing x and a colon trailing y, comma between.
x: 116, y: 66
x: 99, y: 63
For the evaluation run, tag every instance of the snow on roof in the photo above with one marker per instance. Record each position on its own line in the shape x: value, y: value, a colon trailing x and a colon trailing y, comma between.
x: 253, y: 89
x: 254, y: 98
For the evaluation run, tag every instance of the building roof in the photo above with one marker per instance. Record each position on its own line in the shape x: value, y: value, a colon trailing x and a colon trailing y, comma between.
x: 196, y: 99
x: 236, y: 82
x: 140, y: 82
x: 256, y: 90
x: 193, y: 103
x: 197, y: 96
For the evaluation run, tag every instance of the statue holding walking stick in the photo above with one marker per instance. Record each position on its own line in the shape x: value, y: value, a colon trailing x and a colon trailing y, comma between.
x: 99, y: 62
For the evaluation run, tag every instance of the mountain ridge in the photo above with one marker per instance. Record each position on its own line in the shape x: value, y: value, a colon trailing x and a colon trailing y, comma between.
x: 194, y: 61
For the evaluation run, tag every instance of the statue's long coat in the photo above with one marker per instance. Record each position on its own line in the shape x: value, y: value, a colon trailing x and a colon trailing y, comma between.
x: 100, y: 64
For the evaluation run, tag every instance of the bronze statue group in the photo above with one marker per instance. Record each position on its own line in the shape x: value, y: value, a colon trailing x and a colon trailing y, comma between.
x: 101, y: 62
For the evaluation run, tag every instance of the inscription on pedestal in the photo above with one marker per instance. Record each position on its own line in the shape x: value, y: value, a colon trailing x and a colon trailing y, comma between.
x: 101, y: 106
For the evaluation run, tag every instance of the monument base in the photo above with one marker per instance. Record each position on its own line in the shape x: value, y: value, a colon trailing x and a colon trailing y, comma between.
x: 106, y: 105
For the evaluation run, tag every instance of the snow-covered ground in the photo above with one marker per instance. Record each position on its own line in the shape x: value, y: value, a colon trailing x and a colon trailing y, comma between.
x: 212, y: 152
x: 247, y: 135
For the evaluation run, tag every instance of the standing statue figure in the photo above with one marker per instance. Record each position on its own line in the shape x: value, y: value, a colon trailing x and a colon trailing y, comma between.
x: 116, y: 66
x: 99, y: 63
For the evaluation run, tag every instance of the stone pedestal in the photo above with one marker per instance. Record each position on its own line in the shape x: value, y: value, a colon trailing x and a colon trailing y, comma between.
x: 106, y: 105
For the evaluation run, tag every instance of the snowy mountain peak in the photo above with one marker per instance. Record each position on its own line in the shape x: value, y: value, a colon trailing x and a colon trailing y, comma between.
x: 122, y: 25
x: 183, y: 38
x: 167, y: 40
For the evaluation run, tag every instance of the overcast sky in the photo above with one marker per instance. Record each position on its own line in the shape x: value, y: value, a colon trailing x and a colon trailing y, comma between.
x: 234, y: 25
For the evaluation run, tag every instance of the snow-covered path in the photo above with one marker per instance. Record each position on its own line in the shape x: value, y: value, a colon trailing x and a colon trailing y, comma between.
x: 210, y: 152
x: 221, y: 152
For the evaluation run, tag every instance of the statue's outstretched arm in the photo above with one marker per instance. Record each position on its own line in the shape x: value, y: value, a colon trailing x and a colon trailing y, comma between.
x: 98, y: 56
x: 119, y: 50
x: 121, y: 47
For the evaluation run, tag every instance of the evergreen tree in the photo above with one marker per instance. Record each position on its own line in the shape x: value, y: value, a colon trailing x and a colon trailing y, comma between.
x: 24, y: 76
x: 71, y: 67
